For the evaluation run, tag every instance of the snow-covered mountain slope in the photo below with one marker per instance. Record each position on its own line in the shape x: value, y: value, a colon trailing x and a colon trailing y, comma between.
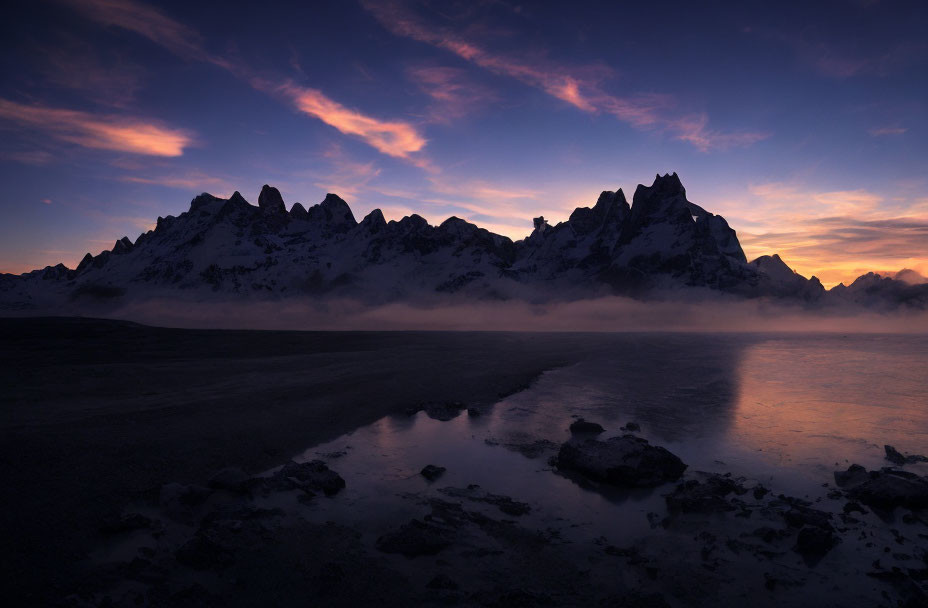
x: 228, y: 248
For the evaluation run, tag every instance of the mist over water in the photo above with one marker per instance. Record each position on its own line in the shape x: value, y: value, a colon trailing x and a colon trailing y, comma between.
x: 694, y: 314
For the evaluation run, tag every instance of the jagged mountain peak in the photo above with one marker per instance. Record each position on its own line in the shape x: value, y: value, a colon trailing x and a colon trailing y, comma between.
x: 298, y: 212
x: 373, y: 221
x: 660, y: 241
x: 270, y: 200
x: 334, y: 213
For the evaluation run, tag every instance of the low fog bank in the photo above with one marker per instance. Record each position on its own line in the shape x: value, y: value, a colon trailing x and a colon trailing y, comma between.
x: 614, y: 313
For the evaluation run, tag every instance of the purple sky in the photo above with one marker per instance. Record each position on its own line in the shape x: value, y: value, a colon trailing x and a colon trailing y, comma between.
x: 804, y: 124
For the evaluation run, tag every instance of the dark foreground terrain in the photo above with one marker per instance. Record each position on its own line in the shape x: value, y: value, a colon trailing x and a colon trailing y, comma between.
x: 162, y: 467
x: 97, y: 413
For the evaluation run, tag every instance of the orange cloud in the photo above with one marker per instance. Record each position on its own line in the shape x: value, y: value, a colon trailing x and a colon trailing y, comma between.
x: 122, y: 134
x: 394, y: 138
x: 835, y: 235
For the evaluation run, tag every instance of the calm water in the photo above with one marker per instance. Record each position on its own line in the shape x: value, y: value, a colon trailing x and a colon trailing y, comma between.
x: 784, y: 410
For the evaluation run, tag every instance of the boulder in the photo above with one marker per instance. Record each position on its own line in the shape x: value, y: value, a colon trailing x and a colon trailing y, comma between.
x: 894, y: 456
x: 887, y: 488
x: 310, y: 476
x: 708, y: 496
x: 585, y: 427
x: 626, y: 461
x: 432, y: 472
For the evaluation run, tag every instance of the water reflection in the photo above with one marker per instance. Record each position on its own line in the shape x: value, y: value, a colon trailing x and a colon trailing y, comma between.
x: 782, y: 410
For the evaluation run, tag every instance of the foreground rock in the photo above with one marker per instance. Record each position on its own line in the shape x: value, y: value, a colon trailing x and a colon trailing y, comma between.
x: 887, y: 488
x: 585, y: 427
x: 708, y: 496
x: 504, y: 503
x: 626, y: 461
x: 432, y: 472
x: 894, y: 456
x: 312, y: 476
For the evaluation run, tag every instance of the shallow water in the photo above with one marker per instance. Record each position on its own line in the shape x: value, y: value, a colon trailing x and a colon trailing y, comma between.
x: 781, y: 411
x: 785, y: 410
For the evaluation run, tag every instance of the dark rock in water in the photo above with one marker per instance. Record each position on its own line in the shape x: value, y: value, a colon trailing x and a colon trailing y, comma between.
x: 627, y: 461
x: 813, y: 541
x: 693, y: 496
x: 854, y: 475
x: 232, y: 479
x: 533, y: 448
x: 886, y: 489
x: 202, y: 553
x: 585, y: 427
x: 504, y: 503
x: 760, y: 491
x: 442, y: 581
x: 415, y: 538
x: 432, y: 472
x: 312, y: 475
x: 799, y: 516
x: 631, y: 427
x: 894, y: 456
x: 128, y: 523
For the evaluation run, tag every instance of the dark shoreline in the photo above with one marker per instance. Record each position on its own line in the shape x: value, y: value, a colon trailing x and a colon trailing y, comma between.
x: 97, y: 413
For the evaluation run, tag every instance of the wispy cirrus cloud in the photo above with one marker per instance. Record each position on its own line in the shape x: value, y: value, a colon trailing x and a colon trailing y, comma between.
x: 149, y: 22
x: 881, y: 131
x: 106, y: 78
x: 186, y: 180
x: 453, y: 94
x: 396, y: 138
x: 346, y: 176
x: 696, y: 131
x: 578, y: 86
x: 101, y: 132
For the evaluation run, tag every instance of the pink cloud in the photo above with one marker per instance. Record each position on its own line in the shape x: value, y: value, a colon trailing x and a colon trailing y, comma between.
x: 395, y: 138
x: 391, y: 137
x: 102, y: 132
x: 578, y: 86
x: 453, y: 94
x: 695, y: 130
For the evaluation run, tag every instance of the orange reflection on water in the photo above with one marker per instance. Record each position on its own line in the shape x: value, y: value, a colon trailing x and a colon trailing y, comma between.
x: 827, y: 399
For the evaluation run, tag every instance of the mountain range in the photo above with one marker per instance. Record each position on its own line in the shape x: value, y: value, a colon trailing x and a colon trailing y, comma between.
x: 228, y: 248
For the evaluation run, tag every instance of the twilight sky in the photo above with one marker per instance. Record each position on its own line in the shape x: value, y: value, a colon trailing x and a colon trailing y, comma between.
x: 803, y: 123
